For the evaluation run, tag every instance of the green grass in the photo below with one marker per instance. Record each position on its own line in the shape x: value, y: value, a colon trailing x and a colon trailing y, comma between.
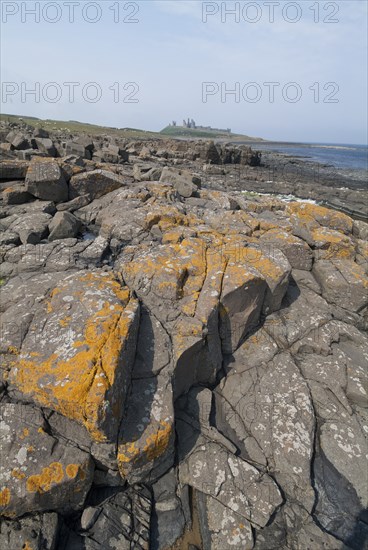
x: 74, y: 126
x: 250, y: 194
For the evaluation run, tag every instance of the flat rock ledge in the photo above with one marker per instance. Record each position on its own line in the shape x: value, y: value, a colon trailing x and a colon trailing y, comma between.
x: 188, y: 369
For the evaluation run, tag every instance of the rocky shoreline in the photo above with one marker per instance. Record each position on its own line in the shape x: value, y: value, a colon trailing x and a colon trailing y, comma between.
x: 183, y: 360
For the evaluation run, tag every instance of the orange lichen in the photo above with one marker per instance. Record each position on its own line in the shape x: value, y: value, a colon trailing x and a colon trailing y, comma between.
x: 332, y: 244
x: 156, y: 443
x: 308, y: 212
x: 150, y: 447
x: 18, y: 474
x: 50, y: 475
x: 77, y: 387
x: 72, y: 470
x: 65, y: 322
x: 4, y: 496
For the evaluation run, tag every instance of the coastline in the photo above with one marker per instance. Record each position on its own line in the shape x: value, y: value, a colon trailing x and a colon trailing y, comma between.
x: 344, y: 190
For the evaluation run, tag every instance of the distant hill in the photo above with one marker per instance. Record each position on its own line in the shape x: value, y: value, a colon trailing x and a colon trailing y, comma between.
x: 74, y: 126
x: 194, y: 133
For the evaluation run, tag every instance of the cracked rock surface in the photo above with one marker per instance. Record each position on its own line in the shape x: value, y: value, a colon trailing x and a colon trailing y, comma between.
x: 187, y: 371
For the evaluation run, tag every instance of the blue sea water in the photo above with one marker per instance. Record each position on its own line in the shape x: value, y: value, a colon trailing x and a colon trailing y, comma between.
x: 343, y: 156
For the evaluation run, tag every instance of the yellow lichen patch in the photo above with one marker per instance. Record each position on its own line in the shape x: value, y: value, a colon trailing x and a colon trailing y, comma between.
x: 4, y: 496
x: 27, y: 546
x: 157, y: 443
x: 282, y: 236
x: 359, y: 274
x: 72, y: 470
x: 256, y: 259
x: 324, y: 216
x: 267, y: 226
x: 148, y: 448
x: 50, y: 475
x: 76, y: 384
x: 18, y: 474
x: 333, y: 244
x: 65, y: 322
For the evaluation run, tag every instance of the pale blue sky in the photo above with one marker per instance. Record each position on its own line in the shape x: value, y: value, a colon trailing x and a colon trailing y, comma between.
x: 171, y: 51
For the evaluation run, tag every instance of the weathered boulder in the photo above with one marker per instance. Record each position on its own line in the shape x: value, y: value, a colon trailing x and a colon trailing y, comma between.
x: 13, y: 169
x: 40, y: 133
x: 45, y: 181
x: 45, y: 145
x: 182, y: 180
x: 20, y: 142
x: 81, y: 362
x: 168, y: 522
x: 111, y: 154
x: 40, y: 474
x: 35, y: 532
x: 95, y: 184
x: 233, y: 482
x: 146, y: 172
x: 31, y: 228
x: 146, y: 440
x: 122, y: 521
x: 63, y: 226
x: 16, y: 193
x: 343, y: 283
x: 298, y: 253
x: 273, y: 422
x: 314, y: 216
x: 73, y: 148
x: 221, y: 527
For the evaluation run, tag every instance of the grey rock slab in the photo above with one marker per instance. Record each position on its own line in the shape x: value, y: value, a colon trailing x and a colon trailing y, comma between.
x: 20, y: 142
x: 123, y: 523
x: 343, y: 283
x: 168, y: 517
x: 31, y: 228
x: 16, y: 193
x: 153, y: 347
x: 45, y: 145
x: 147, y: 434
x: 224, y: 528
x: 272, y: 405
x: 38, y: 532
x: 235, y: 483
x: 45, y: 181
x: 40, y: 473
x: 298, y: 253
x: 95, y: 184
x: 78, y: 353
x: 63, y: 226
x: 13, y: 169
x: 94, y: 252
x: 182, y: 180
x: 74, y: 204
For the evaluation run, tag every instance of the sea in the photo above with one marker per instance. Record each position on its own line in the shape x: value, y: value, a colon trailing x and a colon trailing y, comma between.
x: 343, y: 156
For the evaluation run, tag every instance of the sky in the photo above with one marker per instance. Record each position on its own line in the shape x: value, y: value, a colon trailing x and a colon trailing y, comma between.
x: 291, y: 71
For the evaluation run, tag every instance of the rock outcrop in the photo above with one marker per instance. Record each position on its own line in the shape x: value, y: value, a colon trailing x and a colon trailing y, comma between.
x: 181, y: 367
